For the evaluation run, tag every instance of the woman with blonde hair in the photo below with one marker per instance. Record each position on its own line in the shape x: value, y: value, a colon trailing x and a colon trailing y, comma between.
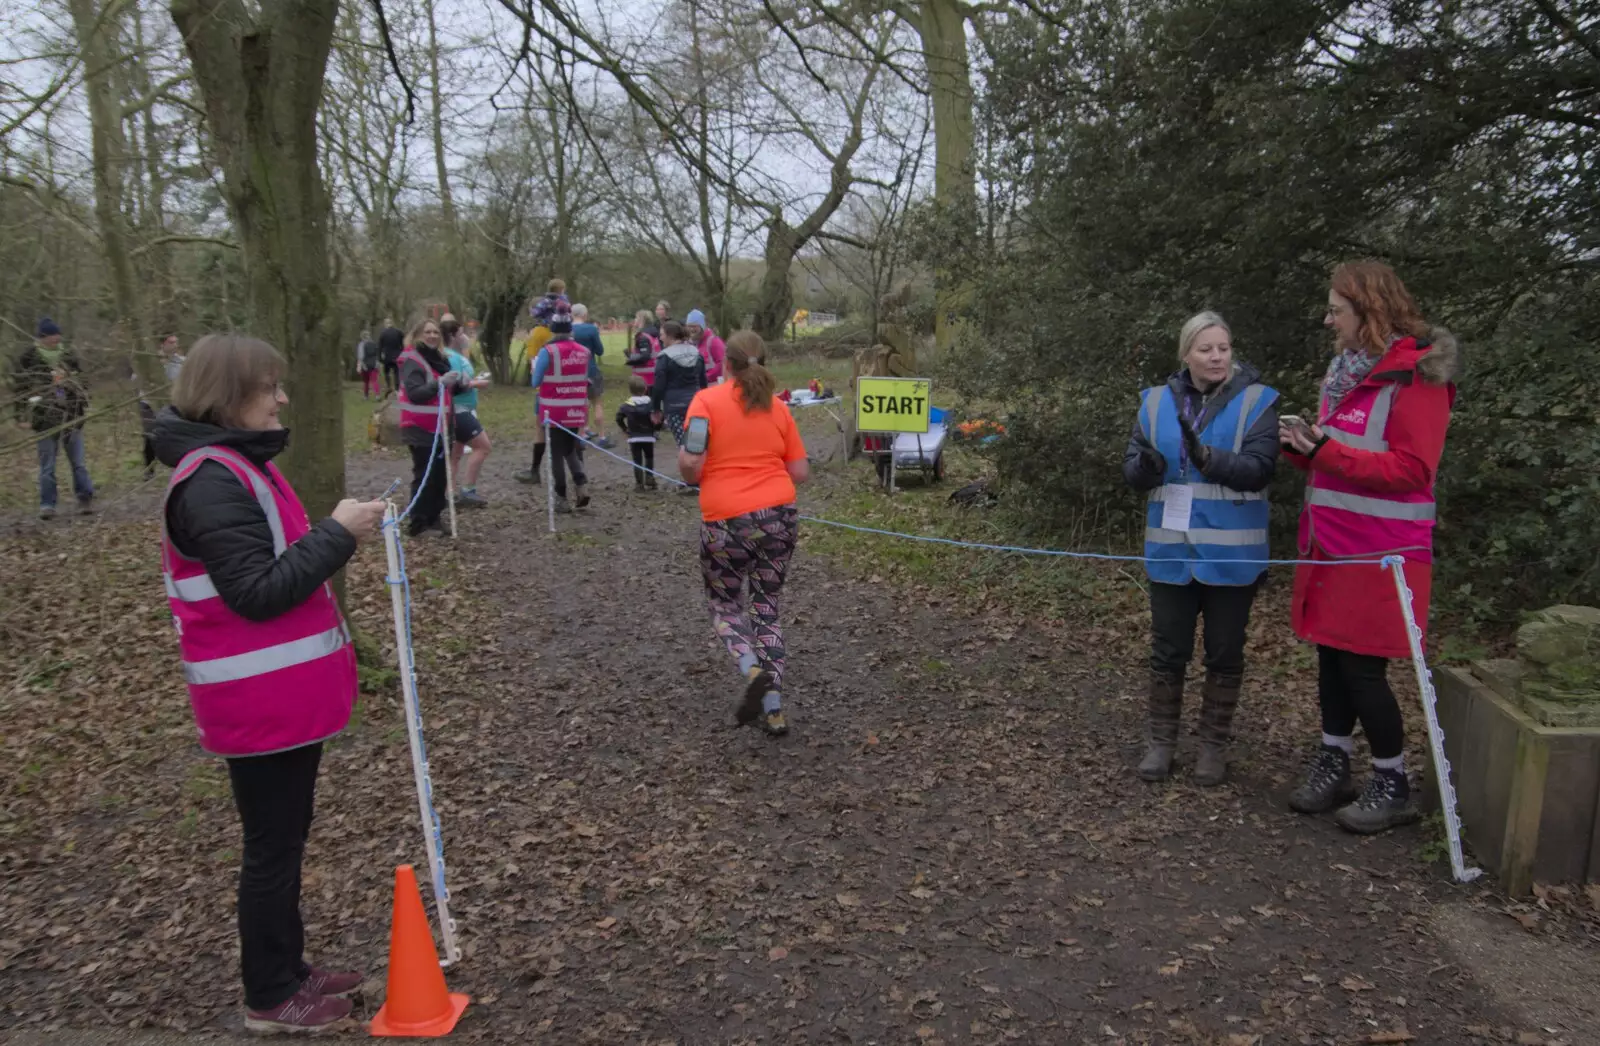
x: 1370, y: 459
x: 741, y: 445
x: 427, y: 384
x: 266, y: 653
x: 1204, y: 446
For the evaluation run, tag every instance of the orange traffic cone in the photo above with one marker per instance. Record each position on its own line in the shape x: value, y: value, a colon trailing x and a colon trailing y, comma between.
x: 417, y: 1005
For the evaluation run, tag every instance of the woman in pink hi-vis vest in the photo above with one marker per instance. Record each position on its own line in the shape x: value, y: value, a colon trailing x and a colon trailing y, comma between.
x: 265, y: 652
x: 1371, y: 453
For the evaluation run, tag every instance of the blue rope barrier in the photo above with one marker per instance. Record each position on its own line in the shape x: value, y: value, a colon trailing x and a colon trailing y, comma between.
x: 1017, y: 549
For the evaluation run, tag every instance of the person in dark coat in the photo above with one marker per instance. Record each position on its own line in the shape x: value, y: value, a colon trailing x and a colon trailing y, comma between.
x: 228, y: 399
x: 680, y: 373
x: 425, y: 374
x: 391, y: 343
x: 1205, y: 446
x: 50, y: 397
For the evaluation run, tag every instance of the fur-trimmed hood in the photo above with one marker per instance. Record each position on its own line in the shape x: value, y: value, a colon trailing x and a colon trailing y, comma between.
x: 1440, y: 362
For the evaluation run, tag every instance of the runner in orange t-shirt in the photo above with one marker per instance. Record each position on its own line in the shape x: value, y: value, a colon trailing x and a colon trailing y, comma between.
x: 753, y: 459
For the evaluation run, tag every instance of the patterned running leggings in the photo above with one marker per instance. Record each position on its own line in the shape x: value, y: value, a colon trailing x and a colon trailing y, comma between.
x: 751, y: 550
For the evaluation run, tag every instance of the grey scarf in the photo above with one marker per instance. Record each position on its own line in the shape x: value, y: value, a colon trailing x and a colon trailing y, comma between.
x: 1345, y: 372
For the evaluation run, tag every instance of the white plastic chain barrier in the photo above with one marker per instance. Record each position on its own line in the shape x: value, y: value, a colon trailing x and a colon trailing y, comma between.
x: 432, y: 836
x: 1430, y: 709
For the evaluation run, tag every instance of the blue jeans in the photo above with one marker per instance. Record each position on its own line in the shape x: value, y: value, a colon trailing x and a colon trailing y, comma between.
x: 72, y: 439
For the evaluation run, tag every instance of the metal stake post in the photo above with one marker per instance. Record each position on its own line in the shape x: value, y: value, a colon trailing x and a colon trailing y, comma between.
x: 432, y: 840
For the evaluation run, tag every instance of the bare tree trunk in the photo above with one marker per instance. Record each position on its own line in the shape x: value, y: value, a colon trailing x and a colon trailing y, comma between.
x: 942, y: 26
x: 261, y: 75
x: 446, y: 201
x: 93, y: 28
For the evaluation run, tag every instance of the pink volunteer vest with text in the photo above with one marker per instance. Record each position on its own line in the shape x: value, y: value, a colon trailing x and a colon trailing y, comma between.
x: 648, y: 371
x: 1350, y: 521
x: 564, y: 393
x: 258, y: 687
x: 424, y: 416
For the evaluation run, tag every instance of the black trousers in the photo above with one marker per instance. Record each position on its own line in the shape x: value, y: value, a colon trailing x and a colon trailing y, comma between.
x: 1174, y: 610
x: 644, y: 456
x: 565, y: 454
x: 275, y: 795
x: 391, y: 375
x: 1355, y: 688
x: 430, y: 505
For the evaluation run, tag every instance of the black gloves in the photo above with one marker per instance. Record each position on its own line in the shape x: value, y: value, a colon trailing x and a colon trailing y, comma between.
x: 1199, y: 453
x: 1150, y: 460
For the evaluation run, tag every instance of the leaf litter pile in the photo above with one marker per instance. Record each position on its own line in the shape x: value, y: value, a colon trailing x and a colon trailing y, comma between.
x: 949, y: 847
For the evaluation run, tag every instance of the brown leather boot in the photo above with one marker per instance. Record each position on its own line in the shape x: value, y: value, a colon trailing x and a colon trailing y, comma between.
x: 1166, y: 706
x: 1219, y: 698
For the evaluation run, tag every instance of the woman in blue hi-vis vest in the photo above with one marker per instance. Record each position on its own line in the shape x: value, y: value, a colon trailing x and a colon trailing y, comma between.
x: 1204, y: 445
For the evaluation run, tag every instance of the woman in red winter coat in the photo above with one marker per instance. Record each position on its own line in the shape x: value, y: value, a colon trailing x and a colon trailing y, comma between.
x: 1370, y: 460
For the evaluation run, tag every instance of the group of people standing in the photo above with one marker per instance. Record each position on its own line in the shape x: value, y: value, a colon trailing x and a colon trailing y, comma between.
x: 1205, y: 446
x: 271, y: 672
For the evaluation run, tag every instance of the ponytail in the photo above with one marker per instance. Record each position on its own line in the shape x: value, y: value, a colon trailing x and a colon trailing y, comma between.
x: 745, y: 351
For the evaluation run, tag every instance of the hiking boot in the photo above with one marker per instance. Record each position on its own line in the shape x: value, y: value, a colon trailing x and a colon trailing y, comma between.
x: 303, y: 1013
x: 86, y: 506
x: 750, y: 708
x: 1166, y: 705
x: 581, y: 492
x: 47, y: 512
x: 1327, y: 783
x: 470, y: 498
x: 562, y: 508
x: 1385, y: 804
x: 774, y: 723
x: 333, y: 983
x: 1220, y: 697
x: 650, y: 483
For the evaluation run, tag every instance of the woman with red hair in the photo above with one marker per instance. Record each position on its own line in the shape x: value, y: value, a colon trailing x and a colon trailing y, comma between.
x: 1371, y: 458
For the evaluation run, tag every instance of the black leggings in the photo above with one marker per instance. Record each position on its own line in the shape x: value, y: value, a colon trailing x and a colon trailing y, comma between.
x: 1355, y: 687
x: 644, y: 457
x: 275, y: 796
x: 391, y: 375
x: 430, y: 506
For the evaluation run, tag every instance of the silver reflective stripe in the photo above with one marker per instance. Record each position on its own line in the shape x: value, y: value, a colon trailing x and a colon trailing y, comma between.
x: 427, y: 410
x: 1205, y: 537
x: 1375, y: 507
x: 1209, y: 492
x: 1378, y: 420
x: 267, y: 659
x: 1152, y: 410
x: 1357, y: 440
x: 553, y: 401
x: 259, y: 488
x: 190, y: 589
x: 1252, y: 396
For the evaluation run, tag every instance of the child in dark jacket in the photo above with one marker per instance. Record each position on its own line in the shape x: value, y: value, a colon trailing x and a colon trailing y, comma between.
x: 636, y: 421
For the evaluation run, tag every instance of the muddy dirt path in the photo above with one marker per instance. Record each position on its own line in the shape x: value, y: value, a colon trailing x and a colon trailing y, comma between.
x: 948, y: 847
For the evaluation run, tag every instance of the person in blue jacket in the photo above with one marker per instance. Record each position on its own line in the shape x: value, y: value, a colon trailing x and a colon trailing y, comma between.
x: 1204, y: 446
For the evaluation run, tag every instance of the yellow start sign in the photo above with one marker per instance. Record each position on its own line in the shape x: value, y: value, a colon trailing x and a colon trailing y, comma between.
x: 893, y: 404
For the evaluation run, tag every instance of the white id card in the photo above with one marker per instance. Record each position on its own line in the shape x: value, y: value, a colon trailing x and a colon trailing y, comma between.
x: 1175, y: 506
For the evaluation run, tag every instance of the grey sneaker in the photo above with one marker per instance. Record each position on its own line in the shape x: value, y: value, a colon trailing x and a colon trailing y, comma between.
x: 1327, y: 783
x: 47, y: 512
x: 1385, y: 804
x: 304, y: 1013
x: 562, y: 508
x: 471, y: 499
x: 526, y: 476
